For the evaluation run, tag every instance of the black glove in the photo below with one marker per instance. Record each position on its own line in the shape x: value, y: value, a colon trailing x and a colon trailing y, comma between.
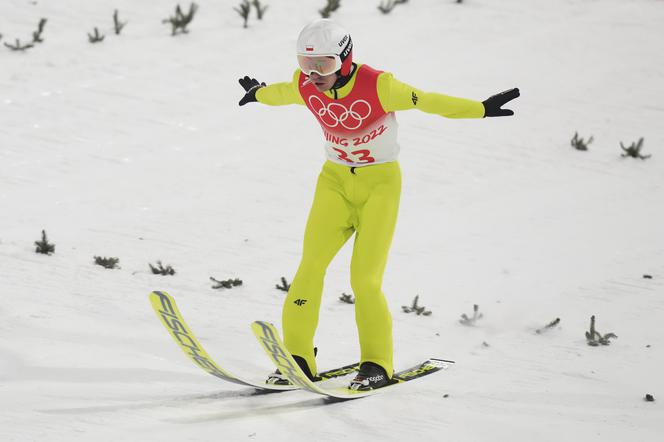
x: 250, y: 85
x: 492, y: 105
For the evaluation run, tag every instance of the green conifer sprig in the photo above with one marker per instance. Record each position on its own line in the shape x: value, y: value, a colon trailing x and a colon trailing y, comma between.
x: 634, y: 150
x: 465, y: 320
x: 17, y: 46
x: 579, y: 143
x: 244, y: 9
x: 419, y: 310
x: 117, y: 24
x: 260, y: 9
x: 387, y: 6
x: 226, y: 284
x: 96, y: 37
x: 159, y: 269
x: 548, y: 326
x: 285, y: 286
x: 37, y: 35
x: 348, y: 299
x: 107, y: 262
x: 43, y: 246
x: 180, y: 21
x: 595, y: 338
x: 330, y: 7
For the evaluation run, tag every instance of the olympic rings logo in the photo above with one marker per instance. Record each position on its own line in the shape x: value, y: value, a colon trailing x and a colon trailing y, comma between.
x: 335, y: 114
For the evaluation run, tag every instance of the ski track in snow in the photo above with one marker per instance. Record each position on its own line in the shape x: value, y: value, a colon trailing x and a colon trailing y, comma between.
x: 136, y: 148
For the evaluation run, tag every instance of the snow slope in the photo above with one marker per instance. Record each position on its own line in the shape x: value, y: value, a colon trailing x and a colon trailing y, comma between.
x: 136, y: 148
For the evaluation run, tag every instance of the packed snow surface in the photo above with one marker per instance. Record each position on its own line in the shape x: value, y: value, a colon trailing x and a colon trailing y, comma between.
x: 136, y: 148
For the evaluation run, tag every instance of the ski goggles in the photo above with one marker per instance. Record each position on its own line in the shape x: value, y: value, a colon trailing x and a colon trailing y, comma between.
x: 321, y: 64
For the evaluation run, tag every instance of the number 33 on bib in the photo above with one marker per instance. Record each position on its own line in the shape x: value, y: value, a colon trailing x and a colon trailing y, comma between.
x: 357, y: 130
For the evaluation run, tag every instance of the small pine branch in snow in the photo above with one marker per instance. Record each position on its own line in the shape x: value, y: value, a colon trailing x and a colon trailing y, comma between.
x: 579, y: 143
x: 348, y: 299
x: 43, y: 246
x: 285, y: 286
x: 595, y: 338
x: 634, y: 150
x: 548, y: 326
x: 332, y: 5
x: 180, y: 21
x: 260, y: 9
x: 416, y: 308
x: 647, y: 276
x: 227, y: 284
x: 649, y: 398
x: 465, y: 320
x: 107, y: 263
x: 117, y: 24
x: 159, y: 269
x: 37, y: 35
x: 96, y: 37
x: 244, y: 9
x: 18, y: 46
x: 387, y: 6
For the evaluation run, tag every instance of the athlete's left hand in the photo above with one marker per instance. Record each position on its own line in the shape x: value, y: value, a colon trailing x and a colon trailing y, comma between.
x: 492, y: 105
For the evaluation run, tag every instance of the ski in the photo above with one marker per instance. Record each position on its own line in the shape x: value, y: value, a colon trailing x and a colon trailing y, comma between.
x: 269, y: 338
x: 166, y: 309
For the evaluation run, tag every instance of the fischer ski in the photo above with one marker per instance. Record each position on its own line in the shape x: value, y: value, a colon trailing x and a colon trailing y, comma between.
x: 170, y: 316
x: 268, y: 336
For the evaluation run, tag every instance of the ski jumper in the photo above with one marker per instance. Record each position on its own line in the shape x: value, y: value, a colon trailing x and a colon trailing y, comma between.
x: 358, y: 191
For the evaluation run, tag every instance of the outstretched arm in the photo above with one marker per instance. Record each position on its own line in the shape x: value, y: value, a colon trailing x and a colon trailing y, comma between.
x: 395, y: 96
x: 277, y: 94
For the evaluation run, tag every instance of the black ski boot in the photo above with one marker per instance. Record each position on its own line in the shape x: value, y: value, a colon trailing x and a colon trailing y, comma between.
x: 370, y: 377
x: 277, y: 378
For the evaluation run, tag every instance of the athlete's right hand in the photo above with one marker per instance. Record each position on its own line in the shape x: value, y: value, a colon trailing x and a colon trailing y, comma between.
x: 250, y: 85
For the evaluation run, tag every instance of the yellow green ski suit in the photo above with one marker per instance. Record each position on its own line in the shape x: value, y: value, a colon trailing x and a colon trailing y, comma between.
x: 361, y: 200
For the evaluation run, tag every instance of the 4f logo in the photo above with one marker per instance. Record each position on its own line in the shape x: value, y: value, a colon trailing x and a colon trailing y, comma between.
x: 300, y: 302
x: 414, y: 98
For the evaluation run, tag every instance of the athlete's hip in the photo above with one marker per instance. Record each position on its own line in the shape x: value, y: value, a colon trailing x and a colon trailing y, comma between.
x: 373, y: 172
x: 357, y: 184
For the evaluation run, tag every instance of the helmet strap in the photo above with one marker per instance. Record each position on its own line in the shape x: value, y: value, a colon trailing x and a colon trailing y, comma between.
x: 342, y: 80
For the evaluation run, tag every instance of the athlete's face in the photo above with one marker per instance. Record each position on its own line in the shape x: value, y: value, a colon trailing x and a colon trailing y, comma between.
x: 323, y: 82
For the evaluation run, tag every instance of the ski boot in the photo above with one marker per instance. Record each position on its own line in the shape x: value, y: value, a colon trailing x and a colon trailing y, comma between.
x: 370, y: 377
x: 277, y: 378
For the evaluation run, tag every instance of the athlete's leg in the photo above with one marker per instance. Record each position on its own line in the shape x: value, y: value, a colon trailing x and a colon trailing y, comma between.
x: 328, y: 228
x: 377, y: 220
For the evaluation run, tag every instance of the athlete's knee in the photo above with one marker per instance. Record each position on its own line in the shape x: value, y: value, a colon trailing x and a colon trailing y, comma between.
x: 365, y: 285
x: 309, y: 273
x: 312, y: 265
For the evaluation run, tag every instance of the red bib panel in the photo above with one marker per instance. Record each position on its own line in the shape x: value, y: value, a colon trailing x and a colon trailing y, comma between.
x: 357, y: 130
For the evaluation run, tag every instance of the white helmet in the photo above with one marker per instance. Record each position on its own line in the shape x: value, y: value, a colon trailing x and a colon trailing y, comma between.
x: 325, y: 38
